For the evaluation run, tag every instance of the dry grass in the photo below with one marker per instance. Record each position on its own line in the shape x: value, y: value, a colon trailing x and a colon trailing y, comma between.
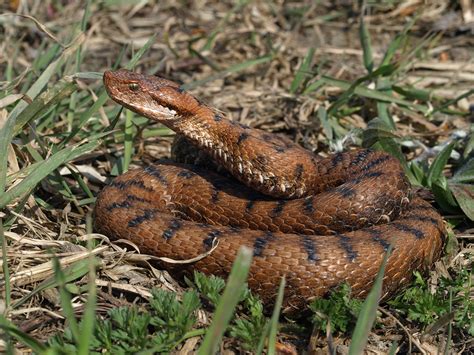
x: 198, y: 41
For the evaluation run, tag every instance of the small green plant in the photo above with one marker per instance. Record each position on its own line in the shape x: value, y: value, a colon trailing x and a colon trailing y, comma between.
x: 210, y: 287
x: 339, y: 309
x: 250, y: 328
x: 419, y: 304
x: 132, y: 329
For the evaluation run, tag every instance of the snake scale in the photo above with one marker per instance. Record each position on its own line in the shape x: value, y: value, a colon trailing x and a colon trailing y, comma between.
x: 319, y: 221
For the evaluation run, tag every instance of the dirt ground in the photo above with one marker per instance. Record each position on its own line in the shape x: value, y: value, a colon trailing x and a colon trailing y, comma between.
x: 202, y: 43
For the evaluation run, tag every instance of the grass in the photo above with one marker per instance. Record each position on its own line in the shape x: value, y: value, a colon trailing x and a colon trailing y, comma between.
x: 62, y: 120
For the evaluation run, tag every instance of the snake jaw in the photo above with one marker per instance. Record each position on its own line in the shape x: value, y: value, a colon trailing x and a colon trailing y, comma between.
x: 156, y: 98
x: 135, y: 94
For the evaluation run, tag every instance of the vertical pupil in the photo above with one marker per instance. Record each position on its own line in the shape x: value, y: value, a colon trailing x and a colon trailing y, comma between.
x: 133, y: 86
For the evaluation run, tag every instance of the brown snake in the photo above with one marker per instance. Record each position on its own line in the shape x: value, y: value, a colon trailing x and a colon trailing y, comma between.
x: 332, y: 222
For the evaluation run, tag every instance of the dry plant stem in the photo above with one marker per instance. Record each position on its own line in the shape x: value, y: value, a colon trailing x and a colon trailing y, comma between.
x: 411, y: 339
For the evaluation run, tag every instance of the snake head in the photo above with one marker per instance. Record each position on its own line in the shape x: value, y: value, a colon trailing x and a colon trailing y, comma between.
x: 150, y: 96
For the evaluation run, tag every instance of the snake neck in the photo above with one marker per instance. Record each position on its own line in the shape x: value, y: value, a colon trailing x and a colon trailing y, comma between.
x: 233, y: 146
x: 211, y: 132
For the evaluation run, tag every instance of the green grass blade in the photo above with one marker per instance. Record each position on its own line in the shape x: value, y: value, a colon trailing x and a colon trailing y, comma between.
x: 24, y: 338
x: 303, y: 72
x: 140, y: 52
x: 44, y: 169
x: 102, y: 97
x: 6, y: 132
x: 44, y: 102
x: 447, y: 349
x: 364, y: 36
x: 393, y: 348
x: 71, y: 273
x: 228, y: 302
x: 89, y: 318
x: 261, y: 342
x: 84, y: 117
x: 327, y: 127
x: 314, y: 86
x: 66, y: 302
x: 239, y: 5
x: 5, y: 269
x: 465, y: 173
x: 397, y: 42
x: 128, y: 140
x: 368, y: 312
x: 385, y: 85
x: 232, y: 69
x: 272, y: 337
x: 414, y: 94
x: 463, y: 194
x: 452, y: 102
x: 436, y: 168
x: 369, y: 93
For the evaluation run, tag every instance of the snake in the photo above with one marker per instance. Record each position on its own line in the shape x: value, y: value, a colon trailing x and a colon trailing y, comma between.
x: 318, y: 221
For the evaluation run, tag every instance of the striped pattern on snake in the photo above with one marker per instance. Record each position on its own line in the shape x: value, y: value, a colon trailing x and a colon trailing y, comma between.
x: 319, y: 221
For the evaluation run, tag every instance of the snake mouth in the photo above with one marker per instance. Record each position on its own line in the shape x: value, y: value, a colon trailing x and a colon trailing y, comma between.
x: 164, y: 112
x: 151, y: 109
x: 125, y: 89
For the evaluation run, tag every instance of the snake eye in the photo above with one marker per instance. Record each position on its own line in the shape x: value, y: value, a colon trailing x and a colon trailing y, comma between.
x: 133, y: 86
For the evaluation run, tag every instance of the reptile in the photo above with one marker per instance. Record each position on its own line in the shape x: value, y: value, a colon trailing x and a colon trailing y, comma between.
x: 319, y: 221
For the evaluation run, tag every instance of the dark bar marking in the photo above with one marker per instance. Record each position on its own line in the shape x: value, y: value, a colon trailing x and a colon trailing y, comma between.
x: 336, y: 159
x: 243, y: 136
x: 308, y: 204
x: 278, y: 208
x: 126, y: 203
x: 346, y: 244
x: 122, y: 185
x: 361, y: 157
x: 361, y: 178
x: 430, y: 220
x: 249, y: 206
x: 234, y: 229
x: 261, y: 242
x: 123, y: 204
x: 186, y: 174
x: 371, y: 175
x: 345, y: 190
x: 155, y: 172
x: 203, y: 225
x: 174, y: 227
x: 215, y: 194
x: 146, y: 216
x: 299, y: 171
x: 309, y: 247
x: 260, y: 160
x: 378, y: 238
x: 280, y: 149
x: 407, y: 229
x: 208, y: 241
x: 376, y: 162
x: 136, y: 198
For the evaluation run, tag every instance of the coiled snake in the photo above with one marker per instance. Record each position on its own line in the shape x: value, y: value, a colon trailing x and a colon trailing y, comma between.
x: 330, y: 220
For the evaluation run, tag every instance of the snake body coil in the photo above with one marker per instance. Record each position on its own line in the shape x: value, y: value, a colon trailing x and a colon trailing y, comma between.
x: 330, y: 220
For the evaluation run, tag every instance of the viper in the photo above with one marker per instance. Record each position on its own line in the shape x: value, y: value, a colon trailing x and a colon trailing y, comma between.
x: 319, y: 221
